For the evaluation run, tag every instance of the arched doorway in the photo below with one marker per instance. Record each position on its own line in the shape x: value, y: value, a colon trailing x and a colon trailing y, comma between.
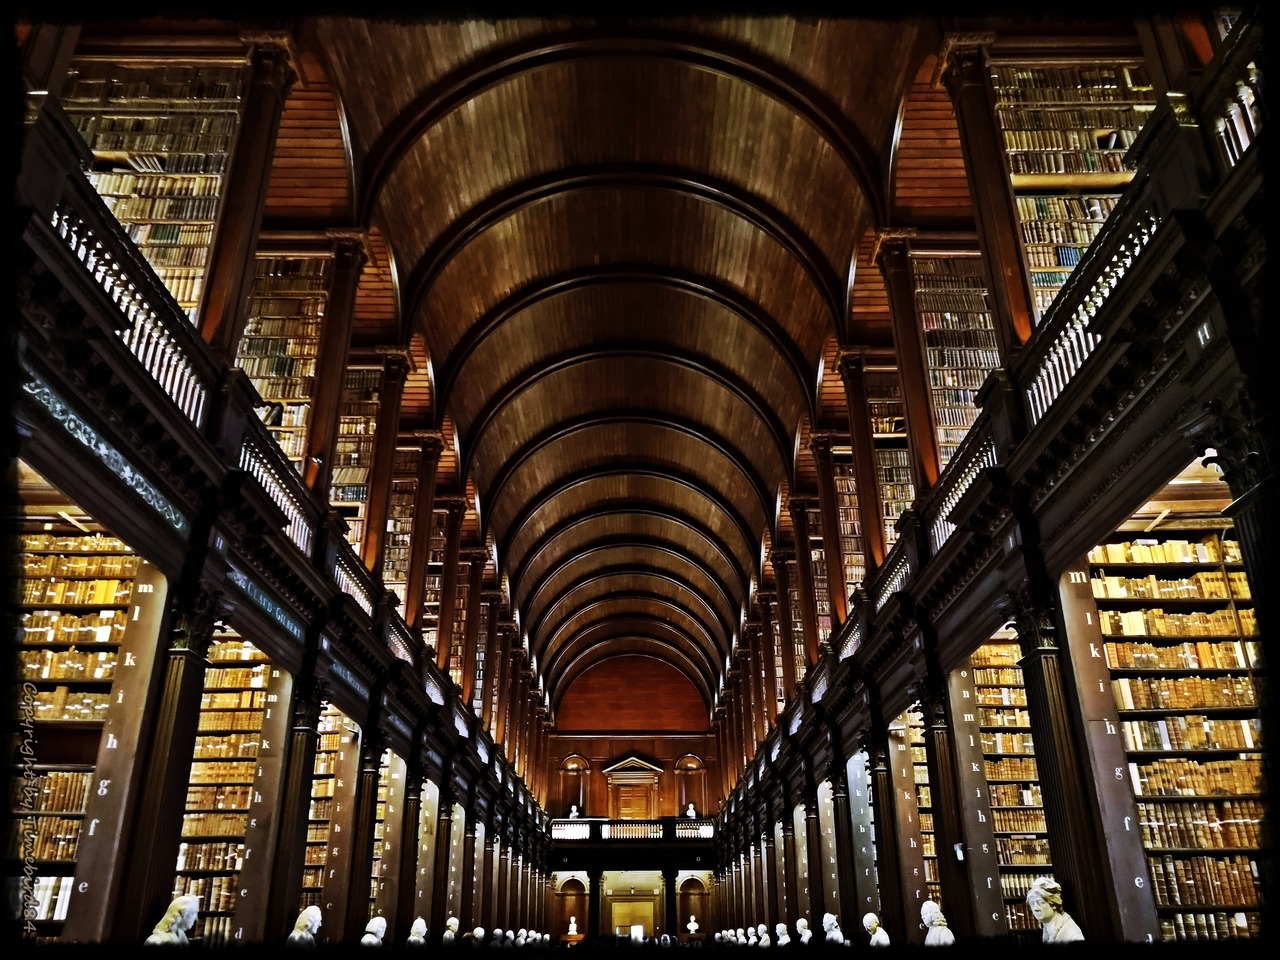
x: 691, y: 785
x: 691, y: 902
x: 574, y: 770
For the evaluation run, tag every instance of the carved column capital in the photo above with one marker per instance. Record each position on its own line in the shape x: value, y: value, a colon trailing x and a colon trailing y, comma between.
x: 193, y: 621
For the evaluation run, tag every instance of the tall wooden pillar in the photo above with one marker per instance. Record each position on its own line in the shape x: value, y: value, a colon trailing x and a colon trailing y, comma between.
x: 395, y: 370
x: 948, y: 825
x: 768, y: 655
x: 502, y: 917
x: 913, y: 371
x: 424, y: 501
x: 893, y: 914
x: 804, y: 570
x: 331, y: 363
x: 790, y: 866
x: 843, y: 825
x: 147, y: 884
x: 782, y: 574
x: 492, y: 660
x: 440, y: 868
x: 295, y: 803
x: 407, y: 869
x: 837, y: 589
x: 229, y: 277
x: 457, y: 510
x: 967, y: 77
x: 489, y: 885
x: 362, y: 834
x: 852, y: 375
x: 773, y: 900
x: 469, y: 877
x: 475, y: 560
x: 813, y: 851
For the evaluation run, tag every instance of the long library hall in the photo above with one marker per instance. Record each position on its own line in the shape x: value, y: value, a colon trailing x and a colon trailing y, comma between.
x: 694, y: 480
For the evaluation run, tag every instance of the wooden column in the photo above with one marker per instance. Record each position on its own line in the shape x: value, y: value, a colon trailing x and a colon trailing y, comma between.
x: 395, y: 370
x: 782, y: 574
x: 773, y: 904
x: 502, y: 680
x: 760, y: 692
x: 295, y: 804
x: 842, y: 818
x: 804, y: 570
x: 229, y: 277
x: 790, y: 866
x: 893, y: 913
x: 813, y: 850
x: 837, y: 589
x: 967, y: 77
x: 745, y: 709
x: 768, y: 648
x: 424, y: 502
x: 467, y: 873
x: 502, y: 916
x: 440, y: 884
x: 475, y: 560
x: 405, y: 878
x: 361, y: 838
x: 457, y: 510
x: 852, y: 373
x: 488, y: 889
x: 493, y: 607
x: 147, y: 881
x: 948, y: 827
x: 331, y: 363
x: 913, y: 371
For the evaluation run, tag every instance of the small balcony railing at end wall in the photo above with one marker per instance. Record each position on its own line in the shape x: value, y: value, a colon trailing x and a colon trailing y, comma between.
x: 663, y: 828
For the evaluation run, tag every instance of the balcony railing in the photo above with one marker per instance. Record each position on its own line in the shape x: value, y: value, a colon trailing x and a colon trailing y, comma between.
x: 613, y: 831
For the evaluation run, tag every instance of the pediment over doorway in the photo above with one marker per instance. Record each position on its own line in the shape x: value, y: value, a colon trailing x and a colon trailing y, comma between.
x: 632, y: 764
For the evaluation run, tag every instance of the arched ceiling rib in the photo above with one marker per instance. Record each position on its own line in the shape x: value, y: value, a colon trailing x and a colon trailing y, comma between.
x: 625, y: 248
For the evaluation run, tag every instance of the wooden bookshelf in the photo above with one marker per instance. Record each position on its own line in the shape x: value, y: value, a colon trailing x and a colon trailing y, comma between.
x: 913, y: 819
x: 281, y: 340
x: 1067, y: 126
x: 75, y: 594
x: 86, y: 605
x: 892, y: 460
x: 353, y: 456
x: 433, y: 582
x: 396, y: 546
x: 234, y: 777
x: 952, y: 307
x: 162, y: 132
x: 387, y: 844
x: 818, y: 564
x: 1019, y: 830
x: 1184, y: 654
x: 853, y: 552
x: 458, y: 631
x: 332, y: 811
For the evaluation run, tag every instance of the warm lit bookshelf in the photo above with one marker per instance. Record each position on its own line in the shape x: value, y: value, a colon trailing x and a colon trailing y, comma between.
x: 332, y: 802
x: 853, y: 552
x: 892, y: 460
x: 353, y: 456
x: 85, y: 604
x: 434, y: 580
x: 162, y: 132
x: 281, y: 341
x: 1067, y: 125
x: 387, y: 845
x: 232, y: 773
x: 818, y: 565
x: 1182, y: 656
x: 1017, y: 813
x: 397, y: 544
x: 952, y: 307
x: 912, y: 814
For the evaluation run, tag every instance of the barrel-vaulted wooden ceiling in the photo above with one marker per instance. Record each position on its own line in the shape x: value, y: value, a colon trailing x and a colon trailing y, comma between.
x: 624, y: 255
x: 625, y: 246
